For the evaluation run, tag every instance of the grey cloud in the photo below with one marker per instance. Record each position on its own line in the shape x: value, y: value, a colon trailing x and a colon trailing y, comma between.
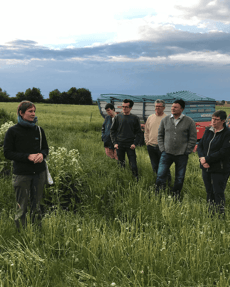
x: 23, y: 43
x: 155, y: 43
x: 186, y: 41
x: 219, y: 12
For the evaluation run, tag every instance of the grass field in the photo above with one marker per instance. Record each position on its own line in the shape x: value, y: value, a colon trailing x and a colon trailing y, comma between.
x: 120, y: 233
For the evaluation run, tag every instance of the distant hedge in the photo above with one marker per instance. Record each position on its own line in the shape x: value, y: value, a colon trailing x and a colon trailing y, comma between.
x: 74, y: 96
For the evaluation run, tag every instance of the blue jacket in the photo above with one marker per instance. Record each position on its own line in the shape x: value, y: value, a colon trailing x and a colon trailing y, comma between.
x: 105, y: 132
x: 215, y: 147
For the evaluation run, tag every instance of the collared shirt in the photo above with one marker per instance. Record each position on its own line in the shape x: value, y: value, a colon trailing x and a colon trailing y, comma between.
x: 213, y: 130
x: 176, y: 121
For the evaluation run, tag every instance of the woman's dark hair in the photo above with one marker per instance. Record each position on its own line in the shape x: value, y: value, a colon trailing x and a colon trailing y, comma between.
x: 220, y: 114
x: 129, y: 101
x: 109, y: 106
x: 24, y: 105
x: 180, y: 102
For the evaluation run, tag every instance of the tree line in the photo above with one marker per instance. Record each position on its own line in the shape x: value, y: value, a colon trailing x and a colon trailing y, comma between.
x: 73, y: 96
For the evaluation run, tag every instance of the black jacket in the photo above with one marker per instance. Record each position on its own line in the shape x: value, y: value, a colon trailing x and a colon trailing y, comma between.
x: 19, y: 143
x: 215, y: 147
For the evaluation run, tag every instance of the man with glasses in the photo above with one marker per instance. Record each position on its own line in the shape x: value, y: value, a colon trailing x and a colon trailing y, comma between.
x: 214, y: 154
x: 151, y: 134
x: 126, y: 135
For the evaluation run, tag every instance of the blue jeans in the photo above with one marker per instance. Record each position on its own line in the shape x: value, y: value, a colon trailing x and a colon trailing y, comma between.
x: 155, y: 155
x: 122, y: 149
x: 166, y: 161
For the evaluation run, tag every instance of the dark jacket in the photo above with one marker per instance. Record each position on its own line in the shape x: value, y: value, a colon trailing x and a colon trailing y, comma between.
x: 215, y: 147
x: 19, y: 143
x: 126, y: 130
x: 105, y: 132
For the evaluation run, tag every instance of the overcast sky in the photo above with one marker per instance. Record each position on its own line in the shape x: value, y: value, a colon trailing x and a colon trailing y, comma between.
x: 145, y: 47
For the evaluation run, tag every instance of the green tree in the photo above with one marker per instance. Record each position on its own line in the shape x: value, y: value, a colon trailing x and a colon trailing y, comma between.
x: 55, y: 96
x: 34, y: 95
x: 4, y: 97
x: 20, y: 96
x: 65, y: 98
x: 85, y: 97
x: 73, y: 96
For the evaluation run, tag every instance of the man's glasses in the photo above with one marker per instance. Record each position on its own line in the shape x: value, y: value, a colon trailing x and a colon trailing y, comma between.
x: 124, y: 107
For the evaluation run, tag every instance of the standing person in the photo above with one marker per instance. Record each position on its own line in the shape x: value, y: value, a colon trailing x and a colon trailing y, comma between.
x: 151, y: 134
x: 126, y: 135
x: 22, y: 145
x: 105, y: 136
x: 177, y: 137
x: 214, y: 154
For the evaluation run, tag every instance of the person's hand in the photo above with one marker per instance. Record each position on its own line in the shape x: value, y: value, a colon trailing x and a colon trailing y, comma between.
x: 206, y: 165
x: 202, y: 160
x: 116, y: 146
x: 32, y: 157
x: 36, y: 158
x: 39, y: 158
x: 133, y: 146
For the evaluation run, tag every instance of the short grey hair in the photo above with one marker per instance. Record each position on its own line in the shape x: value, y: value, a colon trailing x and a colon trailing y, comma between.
x: 158, y: 101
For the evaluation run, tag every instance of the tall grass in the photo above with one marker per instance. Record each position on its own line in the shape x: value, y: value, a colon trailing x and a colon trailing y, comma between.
x: 122, y: 234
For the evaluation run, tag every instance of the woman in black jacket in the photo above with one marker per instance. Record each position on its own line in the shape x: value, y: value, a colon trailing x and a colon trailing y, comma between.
x: 22, y: 145
x: 214, y: 154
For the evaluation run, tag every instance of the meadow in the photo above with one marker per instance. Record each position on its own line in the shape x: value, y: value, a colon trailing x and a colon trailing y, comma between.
x: 118, y: 233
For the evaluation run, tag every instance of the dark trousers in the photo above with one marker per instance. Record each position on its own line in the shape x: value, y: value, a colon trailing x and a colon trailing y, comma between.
x: 166, y: 161
x: 155, y: 155
x: 215, y: 184
x: 122, y: 149
x: 28, y: 187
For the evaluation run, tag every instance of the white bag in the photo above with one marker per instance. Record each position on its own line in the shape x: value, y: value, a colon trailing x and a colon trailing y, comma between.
x: 49, y: 179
